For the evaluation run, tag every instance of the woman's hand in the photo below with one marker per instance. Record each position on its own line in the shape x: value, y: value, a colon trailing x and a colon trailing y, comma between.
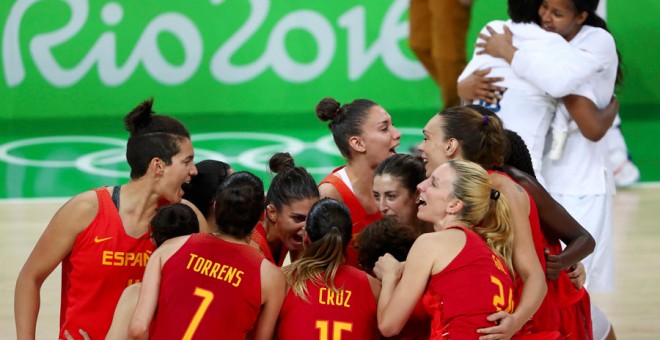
x: 507, y: 325
x: 479, y: 87
x: 578, y: 275
x: 497, y: 45
x: 388, y: 265
x: 553, y: 265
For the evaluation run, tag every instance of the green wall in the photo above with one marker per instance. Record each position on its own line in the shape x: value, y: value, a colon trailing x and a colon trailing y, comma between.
x: 79, y: 58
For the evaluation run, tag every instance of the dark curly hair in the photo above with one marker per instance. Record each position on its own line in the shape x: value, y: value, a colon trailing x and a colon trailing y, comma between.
x: 517, y: 154
x: 171, y: 221
x: 386, y: 235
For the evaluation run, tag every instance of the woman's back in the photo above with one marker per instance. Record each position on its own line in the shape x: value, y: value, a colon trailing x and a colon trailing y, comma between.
x: 209, y: 287
x: 474, y: 285
x: 349, y: 313
x: 546, y: 317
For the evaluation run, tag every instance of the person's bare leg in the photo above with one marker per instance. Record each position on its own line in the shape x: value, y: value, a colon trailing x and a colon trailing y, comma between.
x: 610, y: 334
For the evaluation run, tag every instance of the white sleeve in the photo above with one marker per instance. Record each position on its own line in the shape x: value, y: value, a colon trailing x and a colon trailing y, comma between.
x: 587, y: 90
x: 470, y: 67
x: 554, y: 66
x: 481, y: 61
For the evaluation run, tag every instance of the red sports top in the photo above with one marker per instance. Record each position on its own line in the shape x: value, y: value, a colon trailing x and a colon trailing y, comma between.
x: 574, y: 304
x: 359, y: 216
x: 260, y: 238
x: 209, y: 289
x: 103, y: 261
x: 418, y: 325
x: 348, y: 314
x: 546, y: 321
x: 474, y: 285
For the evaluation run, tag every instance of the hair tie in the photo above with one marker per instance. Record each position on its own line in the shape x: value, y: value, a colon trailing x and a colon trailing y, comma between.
x: 494, y: 194
x: 483, y: 122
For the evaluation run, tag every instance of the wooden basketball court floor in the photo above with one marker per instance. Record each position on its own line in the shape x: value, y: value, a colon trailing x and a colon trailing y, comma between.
x: 633, y: 308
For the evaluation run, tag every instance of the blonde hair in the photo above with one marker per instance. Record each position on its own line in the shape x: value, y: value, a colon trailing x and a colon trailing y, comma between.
x: 329, y: 227
x: 484, y: 209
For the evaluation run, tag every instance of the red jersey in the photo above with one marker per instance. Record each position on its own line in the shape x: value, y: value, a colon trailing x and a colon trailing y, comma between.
x: 103, y: 261
x: 260, y: 238
x: 574, y: 305
x: 209, y: 288
x: 418, y: 325
x: 347, y: 314
x: 473, y: 286
x: 359, y: 216
x: 546, y: 321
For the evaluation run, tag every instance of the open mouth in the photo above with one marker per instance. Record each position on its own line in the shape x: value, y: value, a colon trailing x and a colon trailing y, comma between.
x: 296, y: 240
x: 393, y: 149
x: 185, y: 186
x: 420, y: 202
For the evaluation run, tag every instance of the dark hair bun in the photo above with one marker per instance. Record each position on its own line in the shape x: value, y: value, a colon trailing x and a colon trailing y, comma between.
x: 281, y: 161
x: 327, y: 109
x: 140, y: 117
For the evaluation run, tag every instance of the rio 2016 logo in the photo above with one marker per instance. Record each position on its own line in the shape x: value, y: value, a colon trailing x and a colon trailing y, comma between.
x: 146, y: 52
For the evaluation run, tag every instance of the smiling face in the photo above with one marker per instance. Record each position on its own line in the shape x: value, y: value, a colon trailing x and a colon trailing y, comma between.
x: 178, y: 172
x: 290, y: 222
x: 434, y: 147
x: 435, y: 196
x: 394, y: 199
x: 379, y: 137
x: 561, y: 17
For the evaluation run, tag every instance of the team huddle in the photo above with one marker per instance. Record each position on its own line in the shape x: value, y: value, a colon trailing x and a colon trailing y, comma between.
x: 461, y: 241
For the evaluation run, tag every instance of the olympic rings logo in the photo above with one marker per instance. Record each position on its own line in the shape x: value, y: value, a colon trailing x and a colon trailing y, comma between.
x: 105, y: 162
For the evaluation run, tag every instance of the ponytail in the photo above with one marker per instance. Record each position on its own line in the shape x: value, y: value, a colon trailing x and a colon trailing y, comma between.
x: 596, y: 21
x: 318, y: 263
x: 497, y: 229
x: 484, y: 208
x: 479, y: 132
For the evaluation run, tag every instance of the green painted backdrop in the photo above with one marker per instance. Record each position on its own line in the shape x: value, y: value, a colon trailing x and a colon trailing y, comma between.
x: 89, y: 58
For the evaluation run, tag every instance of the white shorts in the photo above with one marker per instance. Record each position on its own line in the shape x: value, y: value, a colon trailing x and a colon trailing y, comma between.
x: 594, y: 213
x: 600, y: 323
